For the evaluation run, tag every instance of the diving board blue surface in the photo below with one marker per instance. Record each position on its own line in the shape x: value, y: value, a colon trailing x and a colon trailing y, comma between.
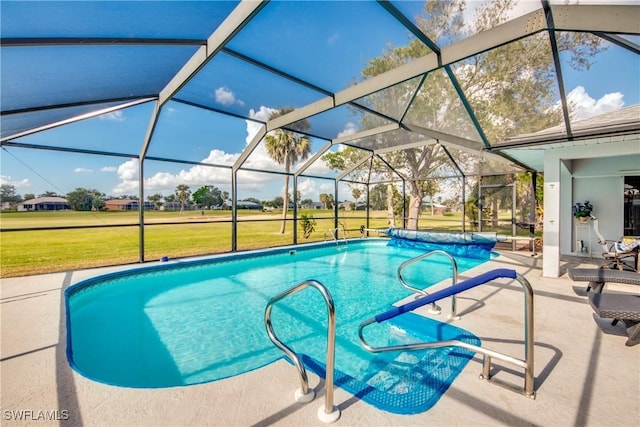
x: 407, y: 382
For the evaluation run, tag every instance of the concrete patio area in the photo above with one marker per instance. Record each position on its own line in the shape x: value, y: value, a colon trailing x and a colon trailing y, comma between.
x: 584, y: 374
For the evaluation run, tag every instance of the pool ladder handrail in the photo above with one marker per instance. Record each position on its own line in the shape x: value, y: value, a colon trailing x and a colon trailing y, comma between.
x: 526, y: 364
x: 327, y: 413
x: 333, y: 232
x: 435, y: 309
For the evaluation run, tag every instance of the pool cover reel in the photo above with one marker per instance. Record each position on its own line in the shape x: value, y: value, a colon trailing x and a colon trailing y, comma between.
x: 470, y: 245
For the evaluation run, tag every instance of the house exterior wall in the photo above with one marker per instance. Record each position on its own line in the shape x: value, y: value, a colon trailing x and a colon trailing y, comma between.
x: 605, y: 194
x: 591, y: 171
x: 44, y: 204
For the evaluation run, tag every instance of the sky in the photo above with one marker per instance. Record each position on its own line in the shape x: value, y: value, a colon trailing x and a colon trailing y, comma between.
x: 326, y: 46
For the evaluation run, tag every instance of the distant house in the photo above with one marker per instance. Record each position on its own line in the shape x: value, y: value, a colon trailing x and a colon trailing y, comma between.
x: 44, y: 204
x: 438, y: 208
x: 126, y: 205
x: 313, y: 205
x: 352, y: 206
x: 172, y: 206
x: 243, y: 204
x: 346, y: 205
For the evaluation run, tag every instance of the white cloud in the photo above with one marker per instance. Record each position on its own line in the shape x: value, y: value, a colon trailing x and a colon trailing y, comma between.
x: 82, y: 170
x: 262, y: 115
x: 194, y: 177
x: 128, y: 175
x: 198, y: 175
x: 8, y: 180
x: 327, y: 187
x: 583, y: 106
x: 259, y: 159
x: 108, y: 169
x: 349, y: 129
x: 225, y: 96
x: 333, y: 38
x: 116, y: 116
x: 307, y: 189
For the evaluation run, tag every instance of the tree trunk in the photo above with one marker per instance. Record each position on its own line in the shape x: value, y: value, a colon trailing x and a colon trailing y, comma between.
x: 390, y: 214
x: 415, y: 203
x: 414, y: 212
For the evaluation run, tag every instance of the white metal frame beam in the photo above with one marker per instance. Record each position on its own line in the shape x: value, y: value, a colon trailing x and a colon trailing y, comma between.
x: 236, y: 20
x: 518, y: 28
x: 617, y: 19
x: 610, y: 19
x: 78, y: 118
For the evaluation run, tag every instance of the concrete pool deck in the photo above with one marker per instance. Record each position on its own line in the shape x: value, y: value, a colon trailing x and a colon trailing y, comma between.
x: 584, y: 374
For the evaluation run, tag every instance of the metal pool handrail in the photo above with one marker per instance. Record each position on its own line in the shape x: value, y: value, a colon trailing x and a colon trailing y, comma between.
x: 327, y: 413
x: 333, y: 232
x: 434, y: 307
x: 526, y: 364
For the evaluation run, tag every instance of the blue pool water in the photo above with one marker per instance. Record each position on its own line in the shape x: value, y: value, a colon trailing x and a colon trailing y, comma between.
x: 188, y: 323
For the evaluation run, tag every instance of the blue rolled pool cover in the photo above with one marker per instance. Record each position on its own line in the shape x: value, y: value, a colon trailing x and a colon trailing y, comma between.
x: 469, y: 245
x: 451, y: 290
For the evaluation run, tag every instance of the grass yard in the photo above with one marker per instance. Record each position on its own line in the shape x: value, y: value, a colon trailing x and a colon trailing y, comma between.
x: 171, y: 234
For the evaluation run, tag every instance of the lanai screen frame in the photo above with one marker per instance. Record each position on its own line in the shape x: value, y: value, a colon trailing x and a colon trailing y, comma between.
x: 604, y: 21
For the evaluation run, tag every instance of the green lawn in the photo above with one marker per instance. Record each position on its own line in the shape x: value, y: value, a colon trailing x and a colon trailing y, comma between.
x: 28, y: 252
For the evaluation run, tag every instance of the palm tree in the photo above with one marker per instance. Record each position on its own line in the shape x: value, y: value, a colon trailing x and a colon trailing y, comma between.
x: 182, y: 194
x: 287, y: 148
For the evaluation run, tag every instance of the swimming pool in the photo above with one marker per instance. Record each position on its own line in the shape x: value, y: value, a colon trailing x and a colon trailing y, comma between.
x: 185, y: 323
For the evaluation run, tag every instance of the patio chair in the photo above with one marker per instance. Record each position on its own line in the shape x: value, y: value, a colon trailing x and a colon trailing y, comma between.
x: 620, y: 251
x: 619, y: 307
x: 598, y: 277
x: 616, y: 252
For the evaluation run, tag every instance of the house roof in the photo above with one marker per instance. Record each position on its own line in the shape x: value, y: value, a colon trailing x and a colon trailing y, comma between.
x: 120, y: 201
x: 38, y: 200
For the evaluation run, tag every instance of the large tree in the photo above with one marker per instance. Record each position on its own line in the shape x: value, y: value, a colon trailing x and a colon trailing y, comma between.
x: 208, y: 195
x: 287, y: 148
x: 83, y: 199
x: 511, y: 89
x: 356, y: 192
x: 156, y: 199
x: 8, y: 194
x: 378, y: 197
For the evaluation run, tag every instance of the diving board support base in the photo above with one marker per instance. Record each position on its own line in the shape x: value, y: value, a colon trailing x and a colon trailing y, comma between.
x: 526, y: 364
